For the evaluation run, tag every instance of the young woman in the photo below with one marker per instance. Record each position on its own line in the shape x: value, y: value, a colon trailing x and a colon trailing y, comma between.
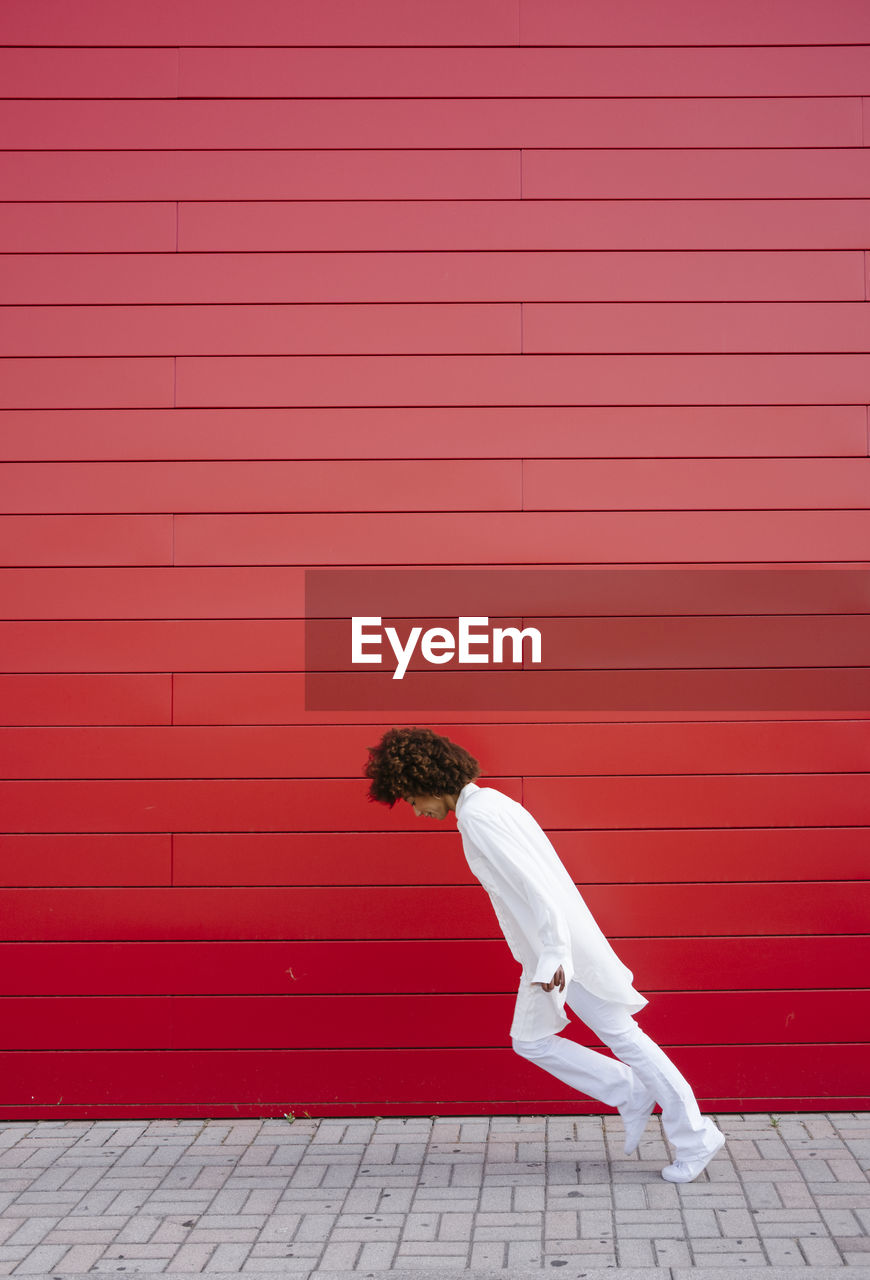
x: 565, y: 957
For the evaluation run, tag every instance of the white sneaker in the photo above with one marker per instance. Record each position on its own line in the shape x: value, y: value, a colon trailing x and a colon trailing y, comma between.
x: 635, y: 1120
x: 688, y: 1170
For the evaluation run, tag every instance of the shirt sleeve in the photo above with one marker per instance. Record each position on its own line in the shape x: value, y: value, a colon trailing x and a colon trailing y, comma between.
x: 510, y: 857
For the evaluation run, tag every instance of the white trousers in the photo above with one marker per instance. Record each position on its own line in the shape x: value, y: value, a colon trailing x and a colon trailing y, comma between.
x: 642, y: 1068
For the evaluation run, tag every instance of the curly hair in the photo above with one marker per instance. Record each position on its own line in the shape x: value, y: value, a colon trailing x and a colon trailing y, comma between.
x: 417, y: 762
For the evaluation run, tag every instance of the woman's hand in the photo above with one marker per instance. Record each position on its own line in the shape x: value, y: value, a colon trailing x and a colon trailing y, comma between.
x: 558, y: 981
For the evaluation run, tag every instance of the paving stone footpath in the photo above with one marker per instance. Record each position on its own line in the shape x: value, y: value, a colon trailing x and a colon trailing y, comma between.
x: 466, y: 1196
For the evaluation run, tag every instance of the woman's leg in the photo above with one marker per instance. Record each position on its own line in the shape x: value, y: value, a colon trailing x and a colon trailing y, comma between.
x: 692, y: 1135
x: 597, y: 1075
x: 583, y: 1069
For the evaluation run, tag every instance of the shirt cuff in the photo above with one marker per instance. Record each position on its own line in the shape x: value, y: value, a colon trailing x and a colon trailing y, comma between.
x: 549, y: 963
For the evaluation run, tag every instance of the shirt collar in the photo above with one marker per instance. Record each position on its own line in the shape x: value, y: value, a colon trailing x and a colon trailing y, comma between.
x: 467, y: 790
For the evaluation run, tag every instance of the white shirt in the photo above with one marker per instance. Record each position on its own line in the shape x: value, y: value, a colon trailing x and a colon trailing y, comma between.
x: 544, y: 919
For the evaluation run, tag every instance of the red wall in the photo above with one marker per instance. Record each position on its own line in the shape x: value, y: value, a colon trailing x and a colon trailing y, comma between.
x: 490, y: 282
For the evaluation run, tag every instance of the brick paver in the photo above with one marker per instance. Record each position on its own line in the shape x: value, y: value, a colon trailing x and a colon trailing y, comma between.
x: 476, y: 1196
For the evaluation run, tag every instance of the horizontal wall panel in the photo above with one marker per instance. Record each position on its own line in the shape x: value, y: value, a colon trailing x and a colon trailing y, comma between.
x: 531, y: 379
x: 428, y: 965
x: 402, y: 912
x: 267, y: 381
x: 432, y: 485
x: 705, y: 692
x: 590, y: 657
x: 266, y: 22
x: 402, y: 328
x: 329, y: 751
x: 693, y: 483
x: 841, y: 640
x: 275, y: 1078
x: 686, y: 327
x: 87, y: 227
x: 679, y: 748
x: 110, y: 752
x: 390, y: 22
x: 663, y: 174
x: 85, y: 699
x: 169, y: 804
x: 800, y: 1017
x: 85, y: 73
x: 326, y: 123
x: 431, y: 277
x: 337, y: 752
x: 140, y: 644
x: 86, y: 860
x: 279, y: 330
x: 522, y: 73
x: 268, y: 1022
x: 58, y: 540
x: 699, y: 591
x: 560, y: 22
x: 244, y: 913
x: 58, y: 1023
x: 517, y: 538
x: 216, y: 752
x: 220, y: 226
x: 170, y: 593
x: 79, y: 382
x: 278, y: 175
x: 510, y: 431
x: 592, y: 857
x: 798, y: 799
x: 630, y: 747
x: 280, y: 699
x: 194, y: 589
